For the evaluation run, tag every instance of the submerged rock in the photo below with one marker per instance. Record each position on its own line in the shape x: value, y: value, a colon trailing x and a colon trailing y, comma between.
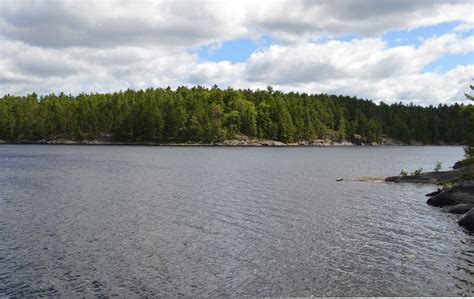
x: 467, y: 220
x: 370, y: 179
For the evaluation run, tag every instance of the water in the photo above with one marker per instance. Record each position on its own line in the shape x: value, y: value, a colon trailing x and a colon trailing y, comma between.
x: 181, y: 221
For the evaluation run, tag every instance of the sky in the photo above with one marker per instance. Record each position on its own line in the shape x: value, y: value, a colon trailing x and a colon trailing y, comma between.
x: 419, y: 51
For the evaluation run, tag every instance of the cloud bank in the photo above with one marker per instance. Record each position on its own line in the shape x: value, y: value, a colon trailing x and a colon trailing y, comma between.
x: 98, y: 46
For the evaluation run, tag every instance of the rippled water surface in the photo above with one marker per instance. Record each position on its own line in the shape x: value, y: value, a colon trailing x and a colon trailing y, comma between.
x: 200, y: 221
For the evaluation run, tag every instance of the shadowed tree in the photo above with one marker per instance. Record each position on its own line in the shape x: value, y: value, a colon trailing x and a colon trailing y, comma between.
x: 469, y: 149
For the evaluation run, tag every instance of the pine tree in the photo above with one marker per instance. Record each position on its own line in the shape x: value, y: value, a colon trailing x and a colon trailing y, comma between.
x: 469, y: 149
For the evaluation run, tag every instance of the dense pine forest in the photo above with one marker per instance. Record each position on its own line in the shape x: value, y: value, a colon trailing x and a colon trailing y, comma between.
x: 206, y: 115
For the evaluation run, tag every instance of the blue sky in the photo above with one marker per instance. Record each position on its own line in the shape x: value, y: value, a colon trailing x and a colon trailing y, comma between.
x: 239, y: 50
x: 391, y: 51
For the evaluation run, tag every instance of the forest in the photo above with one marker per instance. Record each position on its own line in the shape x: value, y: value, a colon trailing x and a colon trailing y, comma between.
x: 208, y: 115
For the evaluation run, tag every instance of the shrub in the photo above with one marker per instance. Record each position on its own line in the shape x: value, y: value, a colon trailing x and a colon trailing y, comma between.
x: 418, y: 171
x: 437, y: 166
x: 403, y: 173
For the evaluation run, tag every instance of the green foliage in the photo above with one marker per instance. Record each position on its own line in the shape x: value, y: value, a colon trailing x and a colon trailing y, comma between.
x: 403, y: 173
x: 467, y: 172
x: 448, y: 184
x: 437, y: 166
x: 341, y: 125
x: 201, y: 114
x: 417, y: 172
x: 469, y: 139
x: 467, y: 162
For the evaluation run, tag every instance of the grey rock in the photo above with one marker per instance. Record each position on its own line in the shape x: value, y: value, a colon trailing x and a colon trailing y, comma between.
x: 467, y: 220
x: 462, y: 193
x: 460, y: 208
x: 434, y: 192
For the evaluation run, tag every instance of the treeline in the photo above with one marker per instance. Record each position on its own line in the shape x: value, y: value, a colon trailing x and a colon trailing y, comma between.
x: 206, y: 115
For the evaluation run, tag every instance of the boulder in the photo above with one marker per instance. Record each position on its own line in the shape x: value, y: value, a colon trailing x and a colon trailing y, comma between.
x: 435, y: 192
x: 460, y: 208
x: 457, y: 165
x: 467, y: 220
x: 451, y: 198
x: 462, y: 193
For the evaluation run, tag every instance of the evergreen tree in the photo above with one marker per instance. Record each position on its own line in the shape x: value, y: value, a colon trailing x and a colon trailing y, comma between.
x: 469, y: 149
x: 199, y: 114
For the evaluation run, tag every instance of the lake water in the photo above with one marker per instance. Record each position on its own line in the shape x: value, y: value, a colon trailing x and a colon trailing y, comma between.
x: 206, y: 221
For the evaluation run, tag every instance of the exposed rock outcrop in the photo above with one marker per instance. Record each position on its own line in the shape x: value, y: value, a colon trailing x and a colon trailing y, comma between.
x: 462, y: 193
x: 434, y: 177
x: 457, y: 200
x: 391, y: 141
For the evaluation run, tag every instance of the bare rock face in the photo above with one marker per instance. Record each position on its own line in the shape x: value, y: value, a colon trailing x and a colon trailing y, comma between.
x: 433, y: 177
x: 391, y: 141
x: 61, y: 141
x: 467, y: 220
x: 271, y: 143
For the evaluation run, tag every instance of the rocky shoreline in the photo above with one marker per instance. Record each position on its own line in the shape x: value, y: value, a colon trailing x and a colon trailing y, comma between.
x: 232, y: 143
x: 226, y: 143
x: 457, y: 199
x: 241, y: 141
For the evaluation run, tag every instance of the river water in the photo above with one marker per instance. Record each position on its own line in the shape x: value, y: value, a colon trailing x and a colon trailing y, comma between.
x: 217, y: 221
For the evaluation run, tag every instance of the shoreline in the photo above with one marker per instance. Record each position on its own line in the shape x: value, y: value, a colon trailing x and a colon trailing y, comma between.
x: 456, y: 196
x: 430, y: 178
x: 226, y: 143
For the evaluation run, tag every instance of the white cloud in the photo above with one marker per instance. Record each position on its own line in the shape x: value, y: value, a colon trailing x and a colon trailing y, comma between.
x: 424, y: 89
x: 362, y: 67
x: 105, y: 24
x: 187, y: 23
x: 465, y: 26
x: 223, y: 73
x: 88, y: 46
x: 361, y: 58
x: 308, y: 19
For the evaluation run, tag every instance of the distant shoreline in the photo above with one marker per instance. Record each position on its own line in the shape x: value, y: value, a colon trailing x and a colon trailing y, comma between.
x: 227, y: 143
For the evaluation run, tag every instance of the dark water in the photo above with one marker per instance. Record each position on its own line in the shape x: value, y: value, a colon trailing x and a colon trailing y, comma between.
x: 169, y: 221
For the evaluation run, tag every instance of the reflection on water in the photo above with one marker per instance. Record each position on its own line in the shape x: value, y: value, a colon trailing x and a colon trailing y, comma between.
x: 170, y: 221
